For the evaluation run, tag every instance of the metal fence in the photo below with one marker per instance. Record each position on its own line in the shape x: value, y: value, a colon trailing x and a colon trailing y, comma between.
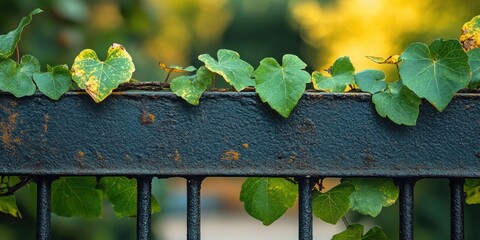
x: 146, y: 135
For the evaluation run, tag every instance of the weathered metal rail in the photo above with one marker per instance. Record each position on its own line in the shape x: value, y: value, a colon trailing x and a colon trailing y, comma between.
x: 147, y: 134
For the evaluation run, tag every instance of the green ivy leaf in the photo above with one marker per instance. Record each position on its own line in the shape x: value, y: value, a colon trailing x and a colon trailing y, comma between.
x: 398, y: 103
x: 55, y: 82
x: 281, y: 86
x: 267, y: 199
x: 371, y: 81
x: 474, y: 61
x: 341, y: 77
x: 355, y: 232
x: 472, y: 191
x: 99, y: 78
x: 17, y: 78
x: 235, y: 71
x: 435, y: 72
x: 371, y: 194
x: 192, y: 87
x: 76, y: 197
x: 334, y: 204
x: 9, y: 41
x: 122, y: 193
x: 8, y: 205
x: 470, y: 37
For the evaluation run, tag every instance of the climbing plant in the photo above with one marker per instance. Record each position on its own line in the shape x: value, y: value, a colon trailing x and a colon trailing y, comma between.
x: 433, y: 72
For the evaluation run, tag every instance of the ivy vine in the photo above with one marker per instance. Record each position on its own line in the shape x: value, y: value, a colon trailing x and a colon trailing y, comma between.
x: 434, y: 72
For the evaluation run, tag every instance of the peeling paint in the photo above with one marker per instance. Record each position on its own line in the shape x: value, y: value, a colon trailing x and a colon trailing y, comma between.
x: 147, y: 118
x: 230, y: 155
x: 7, y: 128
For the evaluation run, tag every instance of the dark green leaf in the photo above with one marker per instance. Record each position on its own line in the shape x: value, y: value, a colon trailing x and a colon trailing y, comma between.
x: 8, y: 205
x: 99, y: 78
x: 55, y: 82
x: 122, y: 193
x: 9, y: 41
x: 472, y: 191
x: 281, y: 86
x: 17, y: 78
x: 398, y: 103
x: 234, y: 70
x: 371, y: 81
x: 371, y: 194
x: 341, y: 77
x: 355, y: 232
x: 267, y: 199
x: 191, y: 88
x: 76, y: 197
x: 435, y: 72
x: 334, y: 204
x: 474, y: 61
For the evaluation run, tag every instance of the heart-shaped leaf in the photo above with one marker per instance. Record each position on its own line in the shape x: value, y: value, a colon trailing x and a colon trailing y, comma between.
x: 371, y: 194
x: 17, y: 78
x: 55, y: 82
x: 9, y: 41
x: 371, y: 81
x: 435, y: 72
x: 334, y: 204
x: 474, y: 61
x: 76, y: 197
x: 99, y: 78
x: 8, y: 205
x: 234, y: 70
x: 267, y: 199
x: 355, y: 232
x: 470, y: 37
x: 191, y: 88
x: 281, y: 86
x: 472, y: 191
x: 122, y: 193
x: 341, y: 77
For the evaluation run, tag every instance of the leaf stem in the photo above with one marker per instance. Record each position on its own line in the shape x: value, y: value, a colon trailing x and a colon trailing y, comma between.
x: 168, y: 76
x: 345, y: 221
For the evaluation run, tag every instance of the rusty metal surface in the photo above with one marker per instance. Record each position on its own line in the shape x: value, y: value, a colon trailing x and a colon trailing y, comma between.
x: 233, y: 134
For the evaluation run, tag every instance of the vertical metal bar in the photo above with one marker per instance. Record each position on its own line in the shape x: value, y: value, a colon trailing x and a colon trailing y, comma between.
x: 406, y: 208
x: 194, y: 185
x: 457, y: 204
x: 43, y: 208
x: 305, y: 226
x: 144, y: 192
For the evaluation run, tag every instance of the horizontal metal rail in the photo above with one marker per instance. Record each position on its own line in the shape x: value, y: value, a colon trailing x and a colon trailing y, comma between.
x: 233, y: 134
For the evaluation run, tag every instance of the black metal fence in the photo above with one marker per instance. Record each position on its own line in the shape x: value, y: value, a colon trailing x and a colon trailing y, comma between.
x: 145, y: 135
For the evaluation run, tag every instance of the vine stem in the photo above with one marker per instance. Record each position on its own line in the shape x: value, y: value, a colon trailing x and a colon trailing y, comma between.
x: 168, y: 76
x: 345, y: 221
x: 18, y: 54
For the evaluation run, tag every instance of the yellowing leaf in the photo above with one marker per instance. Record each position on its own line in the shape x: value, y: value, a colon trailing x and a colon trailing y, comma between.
x: 470, y: 37
x: 99, y: 78
x: 176, y: 69
x: 394, y: 59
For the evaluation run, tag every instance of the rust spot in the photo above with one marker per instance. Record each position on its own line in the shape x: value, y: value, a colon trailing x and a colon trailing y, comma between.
x: 99, y: 156
x: 291, y: 159
x: 245, y: 145
x: 369, y: 161
x: 80, y: 157
x: 46, y: 118
x: 7, y: 128
x: 177, y: 156
x: 147, y: 118
x: 230, y: 155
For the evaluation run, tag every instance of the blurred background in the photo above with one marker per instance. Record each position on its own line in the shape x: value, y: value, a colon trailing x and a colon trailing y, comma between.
x: 175, y: 32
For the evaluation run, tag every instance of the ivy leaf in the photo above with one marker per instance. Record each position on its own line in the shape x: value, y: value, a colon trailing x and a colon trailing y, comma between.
x: 334, y: 204
x: 8, y: 205
x: 122, y: 193
x: 342, y: 76
x: 99, y: 78
x: 371, y: 81
x: 474, y: 61
x: 435, y: 72
x: 355, y: 232
x: 17, y: 78
x: 398, y: 103
x: 9, y: 41
x: 394, y: 59
x: 176, y: 69
x: 281, y: 86
x: 267, y: 199
x: 55, y: 82
x: 235, y: 71
x: 371, y: 194
x: 472, y: 191
x: 76, y: 197
x: 191, y: 88
x: 470, y: 37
